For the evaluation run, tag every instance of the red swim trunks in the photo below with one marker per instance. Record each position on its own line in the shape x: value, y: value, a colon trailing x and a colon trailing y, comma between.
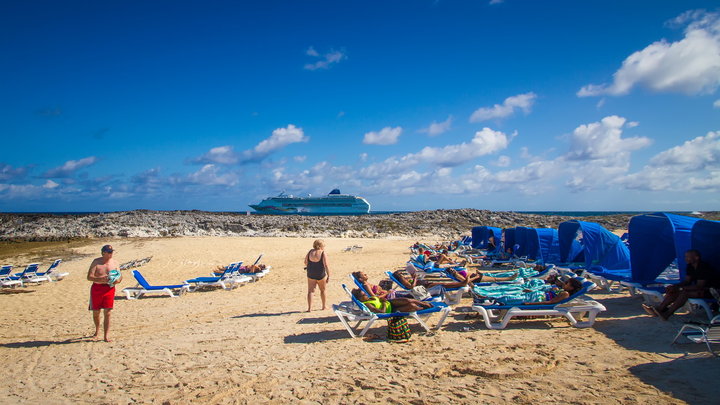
x: 102, y: 296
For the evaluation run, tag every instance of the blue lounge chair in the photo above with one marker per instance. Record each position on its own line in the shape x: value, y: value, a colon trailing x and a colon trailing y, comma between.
x: 5, y: 274
x: 143, y: 287
x: 356, y: 311
x: 28, y: 275
x: 450, y: 296
x: 52, y: 274
x: 563, y: 308
x: 227, y: 281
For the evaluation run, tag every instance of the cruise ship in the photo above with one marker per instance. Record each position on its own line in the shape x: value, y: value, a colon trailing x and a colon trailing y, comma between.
x: 334, y: 203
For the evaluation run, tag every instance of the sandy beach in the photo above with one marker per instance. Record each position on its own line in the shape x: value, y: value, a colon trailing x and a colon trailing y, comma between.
x: 255, y: 344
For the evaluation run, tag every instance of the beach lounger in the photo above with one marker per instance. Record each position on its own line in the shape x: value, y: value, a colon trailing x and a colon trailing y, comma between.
x: 52, y: 274
x: 450, y: 296
x: 227, y: 281
x: 143, y: 287
x: 28, y: 275
x: 5, y: 281
x: 573, y: 311
x: 707, y: 333
x: 356, y: 311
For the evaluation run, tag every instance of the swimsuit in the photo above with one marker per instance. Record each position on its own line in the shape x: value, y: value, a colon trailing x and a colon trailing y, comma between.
x: 316, y: 270
x: 384, y: 306
x: 102, y: 296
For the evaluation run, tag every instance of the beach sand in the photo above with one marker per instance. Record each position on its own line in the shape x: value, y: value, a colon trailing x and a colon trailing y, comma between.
x: 255, y: 344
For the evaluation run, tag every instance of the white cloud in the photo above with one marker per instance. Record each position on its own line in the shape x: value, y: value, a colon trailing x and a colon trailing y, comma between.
x: 496, y: 1
x: 280, y: 138
x: 689, y: 66
x: 483, y: 143
x: 49, y: 184
x: 326, y: 60
x: 507, y: 108
x: 221, y: 154
x: 437, y: 128
x: 599, y: 140
x: 386, y: 136
x: 696, y: 154
x: 8, y: 172
x: 300, y: 159
x: 716, y: 104
x: 70, y: 167
x: 210, y: 175
x: 632, y: 124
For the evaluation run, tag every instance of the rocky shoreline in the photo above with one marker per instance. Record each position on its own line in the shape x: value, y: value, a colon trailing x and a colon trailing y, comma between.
x: 444, y: 224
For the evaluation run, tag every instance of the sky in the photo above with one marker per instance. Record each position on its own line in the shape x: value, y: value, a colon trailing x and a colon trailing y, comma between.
x: 419, y: 104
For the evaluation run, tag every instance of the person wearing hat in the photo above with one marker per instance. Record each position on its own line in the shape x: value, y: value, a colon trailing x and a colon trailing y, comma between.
x: 104, y: 274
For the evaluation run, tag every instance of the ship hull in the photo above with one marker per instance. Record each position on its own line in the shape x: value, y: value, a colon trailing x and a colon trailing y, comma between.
x: 331, y: 205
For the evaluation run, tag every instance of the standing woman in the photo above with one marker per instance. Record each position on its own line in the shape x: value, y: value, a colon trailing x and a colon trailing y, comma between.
x: 318, y: 272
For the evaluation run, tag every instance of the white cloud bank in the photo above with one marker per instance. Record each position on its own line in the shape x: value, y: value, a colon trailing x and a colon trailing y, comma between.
x: 690, y: 66
x: 280, y: 138
x: 70, y: 167
x: 522, y: 102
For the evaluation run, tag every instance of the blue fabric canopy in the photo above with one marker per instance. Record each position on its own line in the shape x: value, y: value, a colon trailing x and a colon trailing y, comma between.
x: 571, y: 250
x: 656, y: 240
x: 600, y: 246
x: 481, y: 234
x: 509, y: 237
x: 521, y: 239
x: 548, y: 244
x: 706, y: 238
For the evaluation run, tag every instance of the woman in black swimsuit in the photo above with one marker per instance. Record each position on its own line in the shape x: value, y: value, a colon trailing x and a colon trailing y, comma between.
x: 318, y: 273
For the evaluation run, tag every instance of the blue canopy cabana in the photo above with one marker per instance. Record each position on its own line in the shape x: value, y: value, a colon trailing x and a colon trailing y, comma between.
x: 706, y: 238
x: 508, y: 237
x: 571, y: 249
x: 548, y: 244
x: 600, y: 247
x: 656, y: 240
x: 481, y: 234
x: 521, y: 239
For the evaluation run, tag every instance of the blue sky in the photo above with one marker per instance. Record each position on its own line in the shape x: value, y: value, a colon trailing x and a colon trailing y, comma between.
x: 504, y: 105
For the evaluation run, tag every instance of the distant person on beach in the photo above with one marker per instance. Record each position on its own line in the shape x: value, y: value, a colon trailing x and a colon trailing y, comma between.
x: 318, y: 272
x: 104, y: 274
x: 699, y: 278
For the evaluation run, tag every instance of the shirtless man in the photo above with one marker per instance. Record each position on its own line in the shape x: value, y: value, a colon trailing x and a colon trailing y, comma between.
x: 102, y: 295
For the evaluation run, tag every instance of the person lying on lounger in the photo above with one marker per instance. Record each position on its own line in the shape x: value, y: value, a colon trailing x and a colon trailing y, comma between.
x: 414, y: 281
x: 375, y: 290
x: 383, y: 306
x: 542, y: 294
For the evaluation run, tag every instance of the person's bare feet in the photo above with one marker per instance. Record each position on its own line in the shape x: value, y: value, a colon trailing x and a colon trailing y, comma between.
x: 322, y: 309
x: 107, y: 339
x: 95, y: 337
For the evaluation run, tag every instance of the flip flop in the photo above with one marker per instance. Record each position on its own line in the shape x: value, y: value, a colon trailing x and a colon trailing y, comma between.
x: 649, y: 310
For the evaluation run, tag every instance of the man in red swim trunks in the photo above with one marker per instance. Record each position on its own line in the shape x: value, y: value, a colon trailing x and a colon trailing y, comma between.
x: 102, y: 295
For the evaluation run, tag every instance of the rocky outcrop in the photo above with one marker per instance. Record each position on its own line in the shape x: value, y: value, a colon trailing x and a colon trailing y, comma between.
x: 446, y: 224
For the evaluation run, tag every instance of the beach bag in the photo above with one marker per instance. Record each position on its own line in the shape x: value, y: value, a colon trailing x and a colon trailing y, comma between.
x: 398, y: 330
x: 420, y: 293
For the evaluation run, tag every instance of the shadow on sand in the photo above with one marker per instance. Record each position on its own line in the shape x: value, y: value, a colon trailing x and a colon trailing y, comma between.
x: 264, y: 314
x: 678, y: 377
x: 324, y: 319
x: 45, y: 343
x: 313, y: 337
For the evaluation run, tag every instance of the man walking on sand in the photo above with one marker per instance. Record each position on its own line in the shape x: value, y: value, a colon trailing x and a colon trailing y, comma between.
x: 104, y: 274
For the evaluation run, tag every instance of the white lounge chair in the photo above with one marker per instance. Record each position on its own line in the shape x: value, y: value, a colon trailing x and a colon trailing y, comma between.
x: 707, y: 333
x: 566, y: 308
x: 52, y: 274
x: 356, y: 311
x: 5, y: 280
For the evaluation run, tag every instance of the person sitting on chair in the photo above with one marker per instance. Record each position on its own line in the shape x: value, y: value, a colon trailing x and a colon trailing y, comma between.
x: 699, y: 278
x: 383, y: 306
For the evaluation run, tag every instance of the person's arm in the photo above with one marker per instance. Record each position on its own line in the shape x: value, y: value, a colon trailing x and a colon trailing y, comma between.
x: 327, y: 268
x: 306, y: 258
x: 92, y: 274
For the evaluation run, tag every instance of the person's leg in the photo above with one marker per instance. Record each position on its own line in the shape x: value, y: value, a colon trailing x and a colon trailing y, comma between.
x: 106, y: 323
x: 311, y: 290
x: 96, y: 320
x: 671, y: 294
x: 680, y: 300
x: 321, y: 285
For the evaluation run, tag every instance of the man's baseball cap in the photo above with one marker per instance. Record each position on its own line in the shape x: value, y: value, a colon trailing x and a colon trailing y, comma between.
x: 107, y: 248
